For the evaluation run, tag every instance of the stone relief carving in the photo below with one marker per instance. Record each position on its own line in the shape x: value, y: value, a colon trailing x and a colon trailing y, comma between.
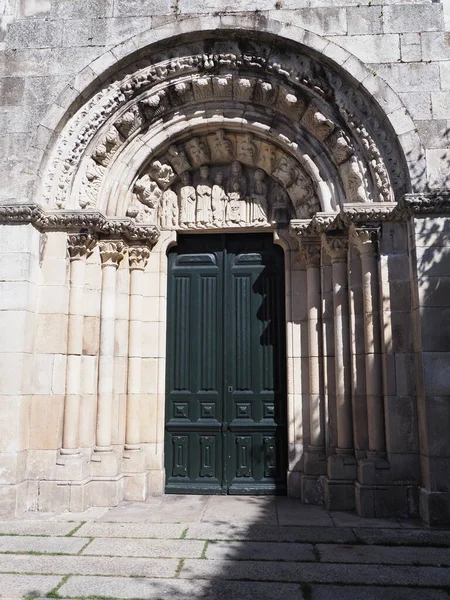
x: 300, y: 76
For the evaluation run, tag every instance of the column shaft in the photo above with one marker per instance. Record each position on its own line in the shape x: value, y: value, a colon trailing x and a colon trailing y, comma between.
x: 111, y: 254
x: 138, y: 257
x: 79, y: 248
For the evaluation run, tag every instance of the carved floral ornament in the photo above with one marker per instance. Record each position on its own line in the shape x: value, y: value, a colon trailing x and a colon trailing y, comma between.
x: 312, y: 106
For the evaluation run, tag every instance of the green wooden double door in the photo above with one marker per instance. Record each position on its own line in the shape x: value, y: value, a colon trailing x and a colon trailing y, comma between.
x: 226, y: 366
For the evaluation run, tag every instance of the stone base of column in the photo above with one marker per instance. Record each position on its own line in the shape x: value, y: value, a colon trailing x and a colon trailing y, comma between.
x: 72, y: 467
x: 315, y: 461
x: 133, y: 460
x: 104, y: 462
x: 383, y: 501
x: 374, y: 469
x: 294, y: 484
x: 156, y: 482
x: 342, y: 465
x: 339, y: 495
x: 435, y: 507
x: 312, y: 490
x: 136, y: 487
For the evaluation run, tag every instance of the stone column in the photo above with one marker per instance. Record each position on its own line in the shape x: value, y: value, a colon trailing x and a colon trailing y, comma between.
x: 138, y: 257
x: 315, y: 460
x: 79, y: 247
x: 341, y: 465
x: 111, y: 253
x: 366, y: 241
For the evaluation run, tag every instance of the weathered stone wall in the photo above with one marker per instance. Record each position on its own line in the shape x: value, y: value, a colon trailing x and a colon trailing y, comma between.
x: 46, y: 43
x: 51, y: 50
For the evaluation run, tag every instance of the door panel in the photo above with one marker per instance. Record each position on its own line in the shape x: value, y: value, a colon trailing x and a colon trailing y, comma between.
x: 226, y: 383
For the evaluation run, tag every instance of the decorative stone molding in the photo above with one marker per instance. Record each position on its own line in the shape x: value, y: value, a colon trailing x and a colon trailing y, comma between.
x: 138, y: 257
x: 310, y: 249
x: 80, y: 246
x: 312, y: 98
x: 365, y: 239
x: 424, y: 204
x: 92, y: 221
x: 111, y: 252
x: 336, y: 247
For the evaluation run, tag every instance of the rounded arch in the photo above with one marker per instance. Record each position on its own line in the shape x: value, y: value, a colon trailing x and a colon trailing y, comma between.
x: 326, y: 116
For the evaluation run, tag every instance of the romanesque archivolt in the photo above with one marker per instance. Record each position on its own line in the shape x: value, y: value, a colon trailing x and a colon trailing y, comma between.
x: 285, y: 97
x: 223, y: 180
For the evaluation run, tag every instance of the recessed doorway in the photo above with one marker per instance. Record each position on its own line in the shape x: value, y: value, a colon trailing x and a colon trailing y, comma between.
x: 226, y: 429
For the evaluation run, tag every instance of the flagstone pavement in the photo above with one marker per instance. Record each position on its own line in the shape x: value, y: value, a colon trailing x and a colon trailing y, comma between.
x: 221, y: 547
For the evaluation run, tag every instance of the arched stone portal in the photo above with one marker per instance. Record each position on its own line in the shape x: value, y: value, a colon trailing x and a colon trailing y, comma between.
x: 227, y: 133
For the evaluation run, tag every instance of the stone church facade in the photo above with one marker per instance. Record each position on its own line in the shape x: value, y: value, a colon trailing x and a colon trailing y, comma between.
x: 225, y: 253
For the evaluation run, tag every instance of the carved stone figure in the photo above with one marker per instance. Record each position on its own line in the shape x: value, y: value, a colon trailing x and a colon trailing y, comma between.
x: 204, y: 193
x: 236, y: 211
x: 267, y: 157
x: 177, y: 159
x: 280, y: 206
x: 246, y: 149
x: 219, y: 200
x: 169, y: 210
x: 222, y: 149
x: 286, y: 171
x: 162, y: 173
x: 259, y: 206
x: 149, y: 193
x: 197, y: 151
x: 188, y: 201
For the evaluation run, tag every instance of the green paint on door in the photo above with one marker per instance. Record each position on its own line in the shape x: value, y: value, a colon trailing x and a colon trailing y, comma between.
x: 226, y: 366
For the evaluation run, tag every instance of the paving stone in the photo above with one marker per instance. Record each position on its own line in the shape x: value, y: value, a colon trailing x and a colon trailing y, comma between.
x: 24, y: 585
x: 131, y: 530
x: 384, y: 555
x: 293, y: 512
x: 58, y: 545
x: 404, y: 537
x: 241, y: 509
x: 173, y: 509
x: 89, y: 565
x: 150, y: 548
x: 259, y: 551
x: 36, y: 528
x: 352, y: 520
x: 118, y: 587
x: 344, y: 592
x: 315, y: 572
x: 205, y: 531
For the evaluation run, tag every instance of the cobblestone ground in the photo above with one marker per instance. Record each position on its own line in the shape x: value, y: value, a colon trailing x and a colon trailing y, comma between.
x: 199, y: 547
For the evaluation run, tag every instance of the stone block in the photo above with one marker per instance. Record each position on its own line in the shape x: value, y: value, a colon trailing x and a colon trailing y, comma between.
x: 339, y: 495
x: 411, y: 47
x: 402, y: 19
x: 435, y: 326
x: 259, y: 551
x: 135, y: 8
x: 434, y: 133
x: 17, y: 327
x: 371, y: 48
x: 434, y: 291
x: 435, y: 507
x: 19, y: 267
x: 87, y: 9
x: 37, y: 528
x: 440, y: 103
x: 148, y: 588
x: 12, y: 468
x: 401, y: 423
x: 47, y: 545
x: 444, y: 68
x: 46, y: 414
x: 51, y: 334
x: 53, y: 496
x: 108, y: 32
x: 222, y: 6
x: 436, y: 473
x: 35, y: 33
x: 437, y: 411
x: 418, y: 104
x: 13, y: 421
x: 411, y: 77
x: 144, y: 548
x: 39, y: 585
x: 383, y: 555
x: 435, y: 46
x: 33, y: 8
x: 328, y: 21
x: 78, y: 32
x: 11, y: 91
x: 432, y: 262
x: 364, y: 20
x: 436, y: 373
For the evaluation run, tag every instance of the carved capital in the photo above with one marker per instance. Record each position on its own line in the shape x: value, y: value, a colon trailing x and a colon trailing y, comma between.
x: 80, y: 246
x: 336, y: 247
x: 365, y: 239
x: 138, y: 257
x: 310, y: 249
x: 111, y: 253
